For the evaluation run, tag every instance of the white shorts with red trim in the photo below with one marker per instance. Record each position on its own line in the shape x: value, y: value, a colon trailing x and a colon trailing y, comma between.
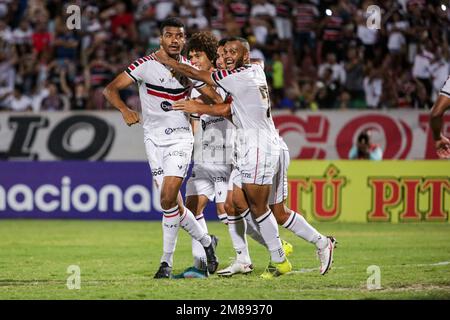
x: 279, y: 191
x: 258, y: 165
x: 209, y: 180
x: 445, y: 91
x: 235, y: 179
x: 168, y: 160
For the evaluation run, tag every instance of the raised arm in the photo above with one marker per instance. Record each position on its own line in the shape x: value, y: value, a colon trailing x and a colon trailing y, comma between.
x: 111, y: 93
x: 193, y: 106
x: 184, y: 69
x: 442, y: 143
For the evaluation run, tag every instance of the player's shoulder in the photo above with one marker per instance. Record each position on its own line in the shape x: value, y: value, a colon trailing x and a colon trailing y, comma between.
x: 143, y: 61
x: 222, y: 73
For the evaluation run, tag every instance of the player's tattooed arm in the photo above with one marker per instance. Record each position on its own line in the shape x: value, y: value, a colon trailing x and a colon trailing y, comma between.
x: 209, y: 95
x: 193, y: 106
x: 111, y: 93
x: 184, y: 69
x: 442, y: 143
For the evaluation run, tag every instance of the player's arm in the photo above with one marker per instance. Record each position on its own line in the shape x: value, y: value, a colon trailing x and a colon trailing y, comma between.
x: 184, y: 69
x: 111, y: 93
x: 209, y: 95
x: 442, y: 143
x: 192, y: 106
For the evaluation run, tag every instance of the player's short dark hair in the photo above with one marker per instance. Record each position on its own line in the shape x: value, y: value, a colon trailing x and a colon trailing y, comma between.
x: 170, y: 22
x: 222, y: 42
x: 241, y: 40
x: 203, y: 42
x: 363, y: 137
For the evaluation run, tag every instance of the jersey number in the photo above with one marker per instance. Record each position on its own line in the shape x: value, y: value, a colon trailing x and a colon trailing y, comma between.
x: 265, y: 96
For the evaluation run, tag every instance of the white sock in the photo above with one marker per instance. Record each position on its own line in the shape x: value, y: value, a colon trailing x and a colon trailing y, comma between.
x: 190, y: 224
x: 252, y: 228
x: 269, y: 231
x: 298, y: 225
x: 170, y: 225
x: 197, y: 249
x: 223, y: 218
x: 236, y: 228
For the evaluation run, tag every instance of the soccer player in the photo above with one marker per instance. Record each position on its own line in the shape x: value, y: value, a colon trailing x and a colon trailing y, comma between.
x: 441, y: 142
x: 167, y: 136
x: 258, y: 145
x: 284, y: 216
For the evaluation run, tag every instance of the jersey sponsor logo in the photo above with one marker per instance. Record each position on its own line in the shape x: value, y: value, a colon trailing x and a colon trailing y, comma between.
x: 219, y: 179
x: 212, y: 121
x: 166, y: 106
x: 172, y: 130
x: 246, y: 175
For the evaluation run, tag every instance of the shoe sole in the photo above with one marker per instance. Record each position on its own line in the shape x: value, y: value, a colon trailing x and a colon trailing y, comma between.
x: 213, y: 265
x: 332, y: 245
x: 229, y: 275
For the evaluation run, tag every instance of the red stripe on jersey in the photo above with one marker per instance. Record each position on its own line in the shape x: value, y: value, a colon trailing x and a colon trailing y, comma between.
x: 140, y: 61
x: 224, y: 73
x: 132, y: 67
x: 167, y: 96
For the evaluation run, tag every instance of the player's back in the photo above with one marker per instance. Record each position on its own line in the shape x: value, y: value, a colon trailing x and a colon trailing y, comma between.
x: 251, y: 102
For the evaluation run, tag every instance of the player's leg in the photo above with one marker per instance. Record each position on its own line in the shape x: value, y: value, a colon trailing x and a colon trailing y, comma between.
x: 236, y: 228
x: 293, y: 221
x: 198, y: 192
x: 176, y: 162
x: 258, y: 168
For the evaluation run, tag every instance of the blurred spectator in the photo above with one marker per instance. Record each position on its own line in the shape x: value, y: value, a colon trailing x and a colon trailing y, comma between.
x: 401, y: 65
x: 338, y: 71
x: 54, y: 101
x: 18, y: 101
x: 277, y: 78
x: 373, y: 86
x: 328, y: 90
x: 364, y: 149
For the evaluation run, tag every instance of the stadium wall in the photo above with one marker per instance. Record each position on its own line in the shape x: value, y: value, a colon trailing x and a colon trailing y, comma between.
x: 309, y: 135
x: 350, y: 191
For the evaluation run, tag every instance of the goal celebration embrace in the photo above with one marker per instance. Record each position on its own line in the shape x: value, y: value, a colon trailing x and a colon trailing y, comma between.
x: 220, y: 87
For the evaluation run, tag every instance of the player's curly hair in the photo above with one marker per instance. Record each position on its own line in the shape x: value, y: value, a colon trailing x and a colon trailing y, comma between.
x: 203, y: 41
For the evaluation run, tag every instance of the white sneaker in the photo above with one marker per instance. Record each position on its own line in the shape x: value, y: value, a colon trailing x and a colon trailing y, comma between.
x: 236, y: 267
x: 326, y: 255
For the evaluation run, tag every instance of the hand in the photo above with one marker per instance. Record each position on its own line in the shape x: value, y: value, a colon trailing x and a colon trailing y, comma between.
x: 162, y: 56
x: 130, y: 116
x: 443, y: 147
x: 188, y: 106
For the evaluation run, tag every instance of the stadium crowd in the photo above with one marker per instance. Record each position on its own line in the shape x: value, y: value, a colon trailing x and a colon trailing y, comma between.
x: 319, y: 54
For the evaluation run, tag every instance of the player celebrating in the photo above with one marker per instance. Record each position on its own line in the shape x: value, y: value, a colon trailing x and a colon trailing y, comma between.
x: 284, y: 216
x: 167, y: 136
x: 258, y: 143
x: 442, y: 143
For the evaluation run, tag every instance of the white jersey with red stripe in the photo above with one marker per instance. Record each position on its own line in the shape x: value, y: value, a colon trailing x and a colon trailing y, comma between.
x: 250, y: 104
x: 159, y: 88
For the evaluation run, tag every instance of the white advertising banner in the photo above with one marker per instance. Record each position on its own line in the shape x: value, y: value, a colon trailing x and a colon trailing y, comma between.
x: 102, y: 135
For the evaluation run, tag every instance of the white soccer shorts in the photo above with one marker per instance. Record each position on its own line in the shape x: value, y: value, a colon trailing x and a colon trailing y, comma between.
x: 259, y: 166
x: 445, y: 91
x: 209, y: 180
x: 279, y: 191
x: 168, y: 160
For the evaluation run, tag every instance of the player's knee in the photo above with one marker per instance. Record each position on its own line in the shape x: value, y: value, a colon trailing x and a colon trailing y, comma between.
x: 168, y: 202
x: 229, y: 208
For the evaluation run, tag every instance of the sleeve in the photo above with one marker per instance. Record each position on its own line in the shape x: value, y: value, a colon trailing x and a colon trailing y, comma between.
x: 376, y: 154
x: 136, y: 70
x: 353, y: 154
x: 225, y: 79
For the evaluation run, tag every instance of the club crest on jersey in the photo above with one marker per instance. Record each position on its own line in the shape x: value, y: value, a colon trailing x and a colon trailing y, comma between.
x: 166, y: 106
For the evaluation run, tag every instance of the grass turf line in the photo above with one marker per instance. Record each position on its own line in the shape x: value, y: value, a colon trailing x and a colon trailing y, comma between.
x: 119, y: 258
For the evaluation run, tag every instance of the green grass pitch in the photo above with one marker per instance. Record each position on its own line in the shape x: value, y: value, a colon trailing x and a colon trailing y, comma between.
x: 118, y: 259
